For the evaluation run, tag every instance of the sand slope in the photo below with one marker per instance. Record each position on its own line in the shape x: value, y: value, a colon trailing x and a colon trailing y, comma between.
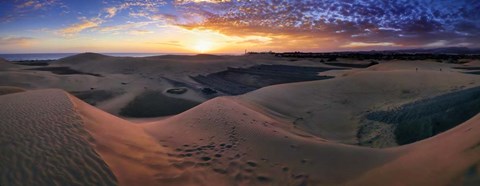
x: 4, y: 64
x: 129, y: 77
x: 44, y: 142
x: 450, y: 158
x: 265, y: 151
x: 134, y: 156
x: 290, y: 134
x: 10, y: 90
x: 83, y: 58
x: 333, y: 109
x: 224, y: 141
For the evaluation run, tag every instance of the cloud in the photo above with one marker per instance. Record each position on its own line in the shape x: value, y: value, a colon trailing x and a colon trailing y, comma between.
x: 440, y: 43
x: 166, y: 17
x: 362, y: 44
x: 16, y: 40
x: 7, y: 18
x: 83, y: 25
x: 200, y: 1
x: 123, y: 27
x: 35, y: 4
x: 146, y: 6
x: 390, y: 29
x: 169, y: 43
x: 254, y: 40
x: 465, y: 44
x: 22, y: 8
x: 140, y: 32
x: 291, y: 24
x: 138, y: 14
x: 95, y: 23
x: 356, y: 22
x: 112, y: 11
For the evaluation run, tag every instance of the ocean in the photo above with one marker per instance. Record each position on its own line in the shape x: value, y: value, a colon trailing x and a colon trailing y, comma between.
x: 55, y: 56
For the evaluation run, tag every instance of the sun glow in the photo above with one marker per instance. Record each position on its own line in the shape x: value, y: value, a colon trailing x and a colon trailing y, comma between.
x: 203, y: 46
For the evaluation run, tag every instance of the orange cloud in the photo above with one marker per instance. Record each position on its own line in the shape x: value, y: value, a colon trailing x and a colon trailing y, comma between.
x: 23, y: 41
x: 140, y: 32
x: 78, y: 27
x: 112, y: 11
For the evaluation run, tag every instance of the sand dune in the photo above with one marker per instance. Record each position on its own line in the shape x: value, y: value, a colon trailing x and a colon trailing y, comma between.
x: 44, y: 142
x: 81, y: 58
x: 224, y: 141
x: 126, y: 78
x: 5, y: 65
x: 10, y: 90
x: 452, y: 157
x: 307, y: 133
x: 133, y: 156
x: 3, y: 61
x: 271, y: 147
x: 335, y: 107
x: 174, y: 66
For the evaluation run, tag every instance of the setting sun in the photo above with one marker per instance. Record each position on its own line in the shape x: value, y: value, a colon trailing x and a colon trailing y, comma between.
x: 203, y: 46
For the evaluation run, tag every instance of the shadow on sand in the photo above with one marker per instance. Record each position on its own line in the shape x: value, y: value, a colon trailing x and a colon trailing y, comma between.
x: 426, y: 118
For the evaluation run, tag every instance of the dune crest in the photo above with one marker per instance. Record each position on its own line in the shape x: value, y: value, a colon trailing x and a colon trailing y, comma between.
x: 134, y: 157
x: 83, y: 57
x: 10, y: 90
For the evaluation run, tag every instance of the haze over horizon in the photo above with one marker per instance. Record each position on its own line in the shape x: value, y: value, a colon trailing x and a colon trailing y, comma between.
x: 223, y: 26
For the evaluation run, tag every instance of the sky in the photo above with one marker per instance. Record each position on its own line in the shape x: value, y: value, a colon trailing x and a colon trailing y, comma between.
x: 233, y: 26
